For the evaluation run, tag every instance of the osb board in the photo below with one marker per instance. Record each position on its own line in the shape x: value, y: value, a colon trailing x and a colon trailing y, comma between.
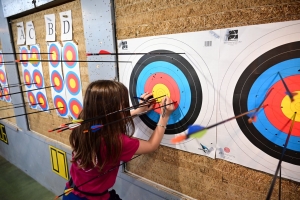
x: 6, y: 110
x: 198, y: 176
x: 42, y: 122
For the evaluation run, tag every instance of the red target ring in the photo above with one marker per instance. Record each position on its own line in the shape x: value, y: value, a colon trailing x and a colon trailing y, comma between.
x: 2, y: 77
x: 35, y: 54
x: 274, y: 109
x: 24, y: 56
x: 6, y: 92
x: 57, y: 80
x: 75, y: 107
x: 73, y: 83
x: 163, y: 81
x: 42, y: 100
x: 38, y: 79
x: 31, y: 99
x: 70, y: 54
x: 55, y: 55
x: 60, y: 103
x: 27, y: 78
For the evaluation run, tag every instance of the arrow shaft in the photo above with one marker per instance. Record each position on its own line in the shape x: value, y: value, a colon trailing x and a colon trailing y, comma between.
x: 97, y: 61
x: 28, y: 90
x: 285, y: 85
x: 29, y: 113
x: 110, y: 54
x: 23, y: 53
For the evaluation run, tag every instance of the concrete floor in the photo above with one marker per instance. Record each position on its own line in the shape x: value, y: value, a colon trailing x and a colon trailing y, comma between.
x: 16, y: 185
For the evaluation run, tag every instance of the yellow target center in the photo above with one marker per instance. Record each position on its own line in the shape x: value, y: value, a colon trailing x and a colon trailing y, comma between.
x: 24, y: 57
x: 72, y: 83
x: 41, y: 101
x: 69, y: 55
x: 27, y: 79
x: 34, y: 56
x: 60, y: 105
x: 54, y: 56
x: 31, y: 99
x: 160, y: 90
x: 1, y: 76
x: 289, y: 107
x: 56, y: 81
x: 76, y: 109
x: 37, y: 79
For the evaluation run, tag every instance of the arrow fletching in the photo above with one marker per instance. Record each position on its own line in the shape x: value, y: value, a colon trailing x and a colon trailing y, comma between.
x: 77, y: 120
x: 196, y: 131
x: 33, y: 60
x: 178, y: 139
x: 104, y: 52
x: 95, y: 128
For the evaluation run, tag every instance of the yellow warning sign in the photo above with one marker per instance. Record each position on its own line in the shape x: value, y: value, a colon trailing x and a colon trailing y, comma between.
x: 3, y: 136
x: 59, y: 162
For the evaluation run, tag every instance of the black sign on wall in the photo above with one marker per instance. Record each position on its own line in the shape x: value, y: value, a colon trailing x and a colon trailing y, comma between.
x: 3, y: 136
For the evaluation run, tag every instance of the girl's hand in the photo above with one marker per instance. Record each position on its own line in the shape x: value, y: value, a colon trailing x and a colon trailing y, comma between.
x: 146, y: 106
x: 167, y: 110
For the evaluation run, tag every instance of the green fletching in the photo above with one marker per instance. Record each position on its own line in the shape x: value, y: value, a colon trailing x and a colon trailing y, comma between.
x: 198, y: 134
x: 77, y: 120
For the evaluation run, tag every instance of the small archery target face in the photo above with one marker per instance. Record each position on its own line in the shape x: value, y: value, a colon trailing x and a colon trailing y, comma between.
x: 35, y: 55
x: 57, y: 81
x: 32, y: 99
x: 75, y: 107
x: 55, y: 55
x: 2, y: 77
x: 5, y: 93
x: 168, y: 76
x: 42, y: 100
x: 24, y: 56
x: 27, y: 78
x: 38, y: 78
x: 61, y: 104
x: 70, y: 54
x: 73, y: 83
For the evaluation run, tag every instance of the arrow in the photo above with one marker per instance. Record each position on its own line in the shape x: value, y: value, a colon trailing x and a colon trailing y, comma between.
x: 23, y: 53
x: 288, y: 92
x: 28, y: 90
x: 104, y: 52
x: 34, y: 61
x: 17, y: 106
x: 197, y: 131
x: 31, y: 113
x: 16, y: 85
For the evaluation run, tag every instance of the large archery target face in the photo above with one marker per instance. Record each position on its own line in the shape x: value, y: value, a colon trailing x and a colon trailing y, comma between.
x: 32, y: 99
x: 2, y: 77
x: 251, y: 73
x: 42, y: 100
x: 35, y: 54
x: 38, y: 78
x: 55, y: 55
x: 69, y: 54
x: 24, y: 56
x: 60, y: 103
x: 170, y: 75
x: 186, y: 78
x: 57, y: 80
x: 73, y: 83
x: 274, y: 121
x: 75, y: 107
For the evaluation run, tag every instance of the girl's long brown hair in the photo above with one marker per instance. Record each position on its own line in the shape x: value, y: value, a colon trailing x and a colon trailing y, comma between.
x: 102, y: 97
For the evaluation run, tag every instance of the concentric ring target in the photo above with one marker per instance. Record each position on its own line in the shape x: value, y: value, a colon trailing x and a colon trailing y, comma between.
x: 27, y: 78
x: 170, y: 75
x: 5, y: 93
x: 60, y: 103
x: 35, y: 54
x: 42, y: 100
x: 75, y: 107
x: 2, y: 77
x: 57, y: 80
x: 73, y: 83
x: 31, y: 99
x: 270, y: 131
x: 55, y: 55
x: 24, y: 56
x: 70, y: 53
x: 38, y: 78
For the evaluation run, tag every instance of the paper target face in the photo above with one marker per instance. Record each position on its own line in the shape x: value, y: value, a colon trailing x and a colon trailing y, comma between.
x: 3, y: 77
x: 271, y: 130
x: 75, y: 107
x: 35, y: 55
x: 24, y: 56
x: 55, y: 56
x: 73, y: 83
x: 57, y: 80
x: 38, y: 78
x: 31, y: 98
x: 60, y: 103
x: 69, y: 54
x: 42, y: 100
x: 249, y: 72
x: 183, y: 71
x: 6, y: 96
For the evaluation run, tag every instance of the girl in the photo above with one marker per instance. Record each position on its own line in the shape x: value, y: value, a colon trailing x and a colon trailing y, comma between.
x: 96, y: 153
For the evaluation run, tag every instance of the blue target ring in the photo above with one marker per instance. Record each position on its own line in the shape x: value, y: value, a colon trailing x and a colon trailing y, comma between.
x: 60, y: 102
x: 182, y: 83
x: 35, y: 53
x: 72, y: 81
x: 57, y: 80
x: 42, y: 100
x: 75, y: 107
x: 70, y: 50
x: 54, y: 56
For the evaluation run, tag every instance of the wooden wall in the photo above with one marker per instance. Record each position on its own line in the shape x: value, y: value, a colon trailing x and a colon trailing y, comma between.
x: 198, y: 176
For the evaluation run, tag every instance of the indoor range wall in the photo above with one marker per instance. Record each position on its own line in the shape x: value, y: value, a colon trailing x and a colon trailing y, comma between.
x: 198, y: 176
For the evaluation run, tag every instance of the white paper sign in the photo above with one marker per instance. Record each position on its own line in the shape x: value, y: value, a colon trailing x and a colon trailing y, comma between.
x: 30, y: 33
x: 50, y: 27
x: 21, y: 33
x: 66, y: 25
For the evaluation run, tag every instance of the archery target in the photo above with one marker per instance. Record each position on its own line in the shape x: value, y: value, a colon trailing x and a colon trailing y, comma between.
x: 3, y: 77
x: 42, y: 100
x: 35, y: 54
x: 27, y: 78
x: 60, y: 103
x: 69, y: 54
x: 57, y: 80
x: 24, y: 55
x: 75, y: 107
x: 31, y: 98
x: 55, y: 55
x: 73, y: 83
x: 252, y: 72
x: 38, y: 78
x: 5, y: 93
x: 182, y: 70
